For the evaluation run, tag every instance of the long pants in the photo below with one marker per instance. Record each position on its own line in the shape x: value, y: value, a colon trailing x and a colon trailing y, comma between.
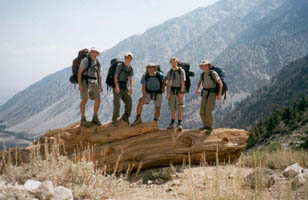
x: 206, y: 109
x: 117, y: 104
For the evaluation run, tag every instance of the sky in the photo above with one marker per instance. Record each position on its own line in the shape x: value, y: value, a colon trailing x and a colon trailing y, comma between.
x: 39, y: 37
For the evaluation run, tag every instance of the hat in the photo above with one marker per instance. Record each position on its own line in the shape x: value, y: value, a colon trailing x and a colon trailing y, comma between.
x: 129, y: 54
x: 205, y: 62
x: 151, y: 65
x: 95, y: 49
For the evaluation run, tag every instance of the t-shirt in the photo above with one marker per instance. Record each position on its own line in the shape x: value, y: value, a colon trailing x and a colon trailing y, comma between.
x: 176, y: 77
x: 93, y: 69
x: 124, y: 72
x: 207, y: 80
x: 153, y: 82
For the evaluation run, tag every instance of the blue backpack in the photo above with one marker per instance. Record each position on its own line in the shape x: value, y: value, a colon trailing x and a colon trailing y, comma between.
x: 221, y: 74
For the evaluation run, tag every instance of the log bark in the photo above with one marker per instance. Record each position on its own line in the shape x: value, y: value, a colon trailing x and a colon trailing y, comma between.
x: 144, y: 146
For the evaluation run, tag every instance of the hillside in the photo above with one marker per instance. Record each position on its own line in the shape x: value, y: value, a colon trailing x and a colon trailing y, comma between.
x: 286, y: 128
x: 289, y: 85
x: 224, y: 32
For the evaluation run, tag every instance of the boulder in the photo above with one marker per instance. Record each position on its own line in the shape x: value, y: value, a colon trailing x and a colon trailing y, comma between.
x: 62, y: 193
x: 293, y: 170
x: 261, y: 177
x: 144, y: 146
x: 45, y: 191
x: 32, y: 185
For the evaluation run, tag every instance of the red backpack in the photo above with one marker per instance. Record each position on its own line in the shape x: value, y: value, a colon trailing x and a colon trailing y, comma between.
x: 76, y: 63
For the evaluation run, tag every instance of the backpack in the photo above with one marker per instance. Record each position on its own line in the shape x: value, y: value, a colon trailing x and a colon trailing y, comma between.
x: 76, y: 63
x: 188, y: 74
x: 111, y: 72
x: 147, y: 76
x: 221, y: 74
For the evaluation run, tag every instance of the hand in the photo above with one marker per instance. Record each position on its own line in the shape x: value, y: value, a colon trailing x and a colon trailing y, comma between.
x: 100, y: 89
x: 181, y: 95
x: 167, y: 96
x: 130, y: 92
x: 80, y: 88
x: 219, y: 97
x: 117, y: 90
x: 163, y: 90
x: 198, y: 92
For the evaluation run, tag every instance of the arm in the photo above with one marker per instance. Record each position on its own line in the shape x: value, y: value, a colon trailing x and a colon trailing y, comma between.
x: 220, y: 90
x: 116, y: 84
x: 100, y: 81
x: 198, y: 87
x: 143, y: 90
x: 130, y: 91
x: 182, y: 90
x: 168, y: 89
x: 79, y: 79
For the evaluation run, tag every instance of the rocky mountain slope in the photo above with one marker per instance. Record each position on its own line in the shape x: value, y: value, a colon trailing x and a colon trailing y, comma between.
x: 288, y: 86
x: 250, y: 39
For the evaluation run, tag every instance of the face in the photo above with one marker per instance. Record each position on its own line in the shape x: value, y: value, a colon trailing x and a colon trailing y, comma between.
x: 151, y: 70
x: 173, y: 62
x: 205, y: 67
x: 94, y: 54
x: 128, y: 59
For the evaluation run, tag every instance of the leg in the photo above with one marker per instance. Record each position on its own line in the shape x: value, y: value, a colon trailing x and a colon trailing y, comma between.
x: 116, y: 106
x: 157, y: 104
x: 156, y: 113
x: 203, y: 110
x: 128, y: 105
x: 83, y: 103
x: 210, y: 106
x: 140, y: 106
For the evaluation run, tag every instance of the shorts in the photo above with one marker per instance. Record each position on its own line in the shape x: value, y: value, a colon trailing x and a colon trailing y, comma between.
x: 92, y: 91
x: 175, y: 103
x: 157, y: 102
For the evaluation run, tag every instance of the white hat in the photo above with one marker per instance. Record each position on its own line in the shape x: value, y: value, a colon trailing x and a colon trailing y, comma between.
x: 95, y: 49
x: 205, y: 62
x: 129, y: 54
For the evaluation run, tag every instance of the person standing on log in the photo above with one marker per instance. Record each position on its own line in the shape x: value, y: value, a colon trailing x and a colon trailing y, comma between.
x: 175, y: 93
x: 153, y: 86
x: 90, y: 85
x: 209, y: 79
x: 123, y: 75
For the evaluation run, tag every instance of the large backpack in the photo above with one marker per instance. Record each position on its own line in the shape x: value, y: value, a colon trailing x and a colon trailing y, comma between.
x: 147, y: 76
x: 221, y: 74
x: 188, y: 74
x: 76, y: 63
x: 111, y: 71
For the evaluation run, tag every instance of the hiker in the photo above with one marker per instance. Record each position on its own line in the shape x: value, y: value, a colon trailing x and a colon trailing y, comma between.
x: 123, y: 75
x: 175, y: 93
x: 90, y: 84
x: 209, y: 93
x: 153, y: 85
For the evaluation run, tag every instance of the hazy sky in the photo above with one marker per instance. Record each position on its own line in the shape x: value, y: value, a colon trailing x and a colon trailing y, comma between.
x: 38, y: 37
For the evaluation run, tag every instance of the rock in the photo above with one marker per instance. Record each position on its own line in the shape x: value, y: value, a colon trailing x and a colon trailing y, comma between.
x: 45, y: 191
x: 298, y: 181
x: 176, y: 182
x: 2, y: 197
x: 267, y: 178
x: 32, y: 185
x: 2, y: 183
x: 293, y: 170
x: 62, y: 193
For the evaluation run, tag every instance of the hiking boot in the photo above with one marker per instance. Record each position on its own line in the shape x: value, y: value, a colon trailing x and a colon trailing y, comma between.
x: 171, y: 126
x: 209, y: 131
x: 125, y: 119
x: 204, y: 128
x: 180, y: 127
x: 84, y: 123
x: 115, y: 123
x: 137, y: 121
x: 96, y: 121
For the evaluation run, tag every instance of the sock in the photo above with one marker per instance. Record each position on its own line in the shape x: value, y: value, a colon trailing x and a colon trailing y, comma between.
x: 179, y: 122
x: 156, y: 120
x: 83, y: 117
x: 138, y: 116
x: 172, y: 121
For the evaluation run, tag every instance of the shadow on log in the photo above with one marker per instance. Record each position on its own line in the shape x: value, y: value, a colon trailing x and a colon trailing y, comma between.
x: 143, y: 146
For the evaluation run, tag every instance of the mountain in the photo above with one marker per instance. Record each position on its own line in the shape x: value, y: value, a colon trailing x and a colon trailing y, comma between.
x: 285, y: 127
x: 289, y: 85
x: 251, y: 39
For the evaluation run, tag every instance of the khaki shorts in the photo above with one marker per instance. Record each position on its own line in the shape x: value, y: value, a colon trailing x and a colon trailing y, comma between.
x: 157, y: 102
x: 92, y: 91
x: 176, y: 104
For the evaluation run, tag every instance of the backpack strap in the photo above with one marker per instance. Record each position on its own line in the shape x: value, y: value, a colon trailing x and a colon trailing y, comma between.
x: 212, y: 76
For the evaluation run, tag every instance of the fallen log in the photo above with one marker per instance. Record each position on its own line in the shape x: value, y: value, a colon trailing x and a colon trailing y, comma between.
x: 143, y: 146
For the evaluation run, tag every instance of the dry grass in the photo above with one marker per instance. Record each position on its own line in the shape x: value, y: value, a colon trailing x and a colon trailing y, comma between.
x: 220, y: 182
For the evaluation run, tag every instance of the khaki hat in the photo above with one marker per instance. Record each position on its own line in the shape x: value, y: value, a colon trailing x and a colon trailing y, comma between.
x: 129, y: 54
x: 95, y: 49
x: 205, y: 62
x: 151, y: 65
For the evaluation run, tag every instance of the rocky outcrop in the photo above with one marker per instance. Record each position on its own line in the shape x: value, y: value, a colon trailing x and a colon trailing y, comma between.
x: 143, y: 146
